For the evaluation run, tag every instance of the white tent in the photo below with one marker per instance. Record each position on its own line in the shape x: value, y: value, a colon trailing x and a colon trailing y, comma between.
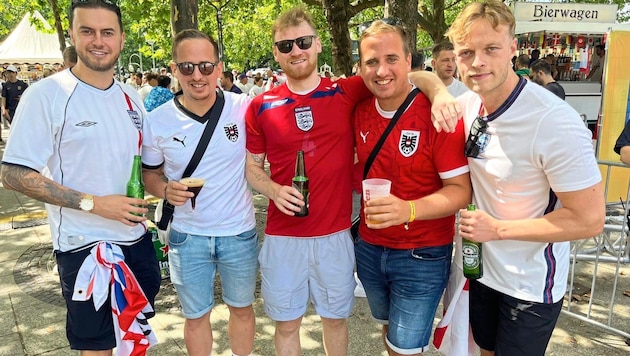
x: 27, y: 45
x: 568, y: 27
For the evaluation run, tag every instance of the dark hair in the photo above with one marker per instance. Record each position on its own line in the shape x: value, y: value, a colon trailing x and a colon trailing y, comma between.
x: 95, y: 4
x: 193, y: 34
x: 228, y: 75
x: 164, y: 81
x: 442, y: 46
x: 600, y: 47
x: 151, y: 76
x: 523, y: 60
x: 541, y: 65
x: 417, y: 60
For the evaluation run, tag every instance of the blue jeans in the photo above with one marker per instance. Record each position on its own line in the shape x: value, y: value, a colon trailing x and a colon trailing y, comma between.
x: 403, y: 289
x: 194, y: 261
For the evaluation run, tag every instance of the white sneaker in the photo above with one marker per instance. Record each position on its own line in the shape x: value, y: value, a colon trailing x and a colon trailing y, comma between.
x: 358, y: 290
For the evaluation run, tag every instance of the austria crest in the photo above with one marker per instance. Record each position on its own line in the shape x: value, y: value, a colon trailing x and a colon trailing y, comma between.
x: 408, y: 144
x: 231, y: 131
x: 304, y: 118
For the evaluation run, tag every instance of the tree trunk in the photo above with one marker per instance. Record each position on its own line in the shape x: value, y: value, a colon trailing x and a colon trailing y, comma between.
x: 184, y: 15
x: 407, y: 12
x: 54, y: 5
x: 337, y: 17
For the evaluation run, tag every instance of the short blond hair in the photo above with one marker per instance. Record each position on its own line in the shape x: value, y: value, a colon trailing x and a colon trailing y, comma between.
x: 379, y: 27
x: 293, y: 18
x: 493, y: 11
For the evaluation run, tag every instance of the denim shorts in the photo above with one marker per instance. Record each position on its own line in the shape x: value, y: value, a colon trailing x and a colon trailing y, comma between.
x: 90, y: 329
x: 194, y: 261
x: 403, y: 289
x: 296, y: 270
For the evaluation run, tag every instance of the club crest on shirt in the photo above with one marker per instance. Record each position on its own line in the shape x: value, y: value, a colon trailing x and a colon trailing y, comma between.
x: 304, y: 118
x: 135, y: 119
x: 231, y: 131
x: 408, y: 143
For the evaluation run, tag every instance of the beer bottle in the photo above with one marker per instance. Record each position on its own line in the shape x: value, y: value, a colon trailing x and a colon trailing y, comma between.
x: 300, y: 182
x: 472, y: 255
x: 135, y: 185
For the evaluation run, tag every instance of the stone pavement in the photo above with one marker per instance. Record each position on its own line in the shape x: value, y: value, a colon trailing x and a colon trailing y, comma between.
x: 32, y: 313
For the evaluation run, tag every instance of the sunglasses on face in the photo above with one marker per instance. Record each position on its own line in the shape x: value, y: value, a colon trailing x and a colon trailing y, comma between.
x: 474, y: 141
x: 304, y: 42
x: 188, y: 68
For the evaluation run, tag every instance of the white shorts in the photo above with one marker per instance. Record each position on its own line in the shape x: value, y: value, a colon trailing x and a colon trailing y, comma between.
x: 296, y: 269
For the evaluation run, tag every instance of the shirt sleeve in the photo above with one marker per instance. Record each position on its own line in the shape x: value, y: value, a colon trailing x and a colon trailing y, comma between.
x: 623, y: 139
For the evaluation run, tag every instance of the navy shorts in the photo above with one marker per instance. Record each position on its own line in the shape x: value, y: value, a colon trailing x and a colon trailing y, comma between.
x: 90, y: 329
x: 510, y: 326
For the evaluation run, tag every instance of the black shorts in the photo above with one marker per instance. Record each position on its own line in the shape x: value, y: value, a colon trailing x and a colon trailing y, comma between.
x: 90, y: 329
x: 510, y: 326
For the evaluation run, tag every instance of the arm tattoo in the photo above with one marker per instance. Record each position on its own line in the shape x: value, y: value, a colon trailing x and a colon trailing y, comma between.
x: 31, y: 183
x: 258, y: 158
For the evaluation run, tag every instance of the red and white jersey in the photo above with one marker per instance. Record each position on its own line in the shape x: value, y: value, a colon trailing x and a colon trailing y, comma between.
x: 281, y: 122
x: 415, y: 158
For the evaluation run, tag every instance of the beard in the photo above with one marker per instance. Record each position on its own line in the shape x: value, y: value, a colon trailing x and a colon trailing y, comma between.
x: 102, y: 65
x: 300, y: 73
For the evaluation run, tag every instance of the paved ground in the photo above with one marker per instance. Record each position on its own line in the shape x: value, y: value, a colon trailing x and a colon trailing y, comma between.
x: 32, y: 315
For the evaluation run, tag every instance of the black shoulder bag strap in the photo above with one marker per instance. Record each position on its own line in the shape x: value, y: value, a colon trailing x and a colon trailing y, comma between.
x: 390, y: 127
x: 167, y: 208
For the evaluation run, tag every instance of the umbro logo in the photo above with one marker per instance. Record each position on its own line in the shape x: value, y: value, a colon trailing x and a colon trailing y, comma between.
x: 86, y: 123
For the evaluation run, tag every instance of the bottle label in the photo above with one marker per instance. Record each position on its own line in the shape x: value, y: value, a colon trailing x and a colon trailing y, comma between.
x: 470, y: 251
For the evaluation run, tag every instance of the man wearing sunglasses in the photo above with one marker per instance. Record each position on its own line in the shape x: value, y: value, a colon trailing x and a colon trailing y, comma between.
x: 308, y: 258
x: 535, y: 182
x: 219, y: 234
x: 84, y: 129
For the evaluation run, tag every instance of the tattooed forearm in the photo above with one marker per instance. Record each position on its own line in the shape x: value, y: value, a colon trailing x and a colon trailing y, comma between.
x: 36, y: 186
x: 258, y: 158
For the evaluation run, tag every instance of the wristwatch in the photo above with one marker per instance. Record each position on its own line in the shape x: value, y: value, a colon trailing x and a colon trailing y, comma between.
x: 87, y: 203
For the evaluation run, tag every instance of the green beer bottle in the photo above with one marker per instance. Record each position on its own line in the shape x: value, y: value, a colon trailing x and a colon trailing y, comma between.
x: 300, y: 182
x: 472, y: 254
x: 135, y: 185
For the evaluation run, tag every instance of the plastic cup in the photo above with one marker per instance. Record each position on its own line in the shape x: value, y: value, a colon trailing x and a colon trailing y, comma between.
x: 375, y: 188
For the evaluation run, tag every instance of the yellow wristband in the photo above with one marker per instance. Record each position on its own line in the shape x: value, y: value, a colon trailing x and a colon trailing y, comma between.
x: 412, y: 215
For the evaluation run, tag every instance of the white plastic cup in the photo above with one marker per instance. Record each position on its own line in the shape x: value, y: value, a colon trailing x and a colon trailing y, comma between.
x: 375, y: 188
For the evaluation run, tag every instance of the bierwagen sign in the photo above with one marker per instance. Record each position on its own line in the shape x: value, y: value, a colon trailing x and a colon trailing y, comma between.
x: 565, y: 12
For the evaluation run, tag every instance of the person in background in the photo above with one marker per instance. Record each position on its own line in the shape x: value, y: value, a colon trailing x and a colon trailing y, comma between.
x: 417, y: 61
x: 243, y: 83
x: 219, y: 234
x: 522, y: 66
x: 622, y: 146
x: 12, y: 91
x: 160, y: 93
x: 258, y: 87
x: 69, y: 56
x: 540, y: 73
x: 227, y: 83
x: 445, y: 67
x: 148, y: 84
x: 597, y: 65
x: 536, y: 185
x: 309, y: 259
x: 87, y: 127
x: 406, y: 239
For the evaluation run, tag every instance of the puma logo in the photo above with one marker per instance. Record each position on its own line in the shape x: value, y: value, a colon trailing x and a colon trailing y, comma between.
x: 364, y: 135
x: 180, y: 141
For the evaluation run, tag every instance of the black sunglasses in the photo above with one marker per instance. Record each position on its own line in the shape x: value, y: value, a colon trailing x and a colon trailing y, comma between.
x: 304, y: 42
x: 188, y: 68
x: 477, y: 137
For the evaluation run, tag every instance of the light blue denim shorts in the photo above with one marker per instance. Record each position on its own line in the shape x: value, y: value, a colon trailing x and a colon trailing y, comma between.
x: 296, y: 270
x: 403, y: 289
x: 194, y: 261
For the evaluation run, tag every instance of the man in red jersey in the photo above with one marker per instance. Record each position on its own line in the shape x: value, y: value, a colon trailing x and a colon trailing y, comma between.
x: 309, y: 257
x: 404, y: 254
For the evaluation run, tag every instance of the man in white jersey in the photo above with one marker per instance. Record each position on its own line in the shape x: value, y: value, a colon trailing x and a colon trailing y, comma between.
x: 87, y: 128
x: 535, y: 181
x: 219, y: 234
x: 444, y: 65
